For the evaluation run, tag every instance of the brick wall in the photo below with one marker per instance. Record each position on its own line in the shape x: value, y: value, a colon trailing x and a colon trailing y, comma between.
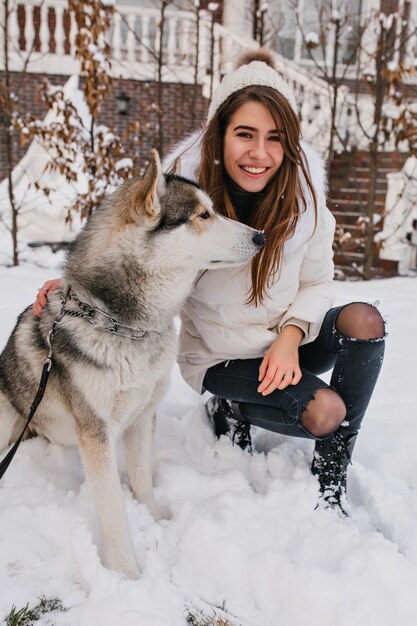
x: 177, y: 107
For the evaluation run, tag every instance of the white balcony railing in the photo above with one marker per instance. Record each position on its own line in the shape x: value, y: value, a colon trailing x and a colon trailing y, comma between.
x: 42, y: 38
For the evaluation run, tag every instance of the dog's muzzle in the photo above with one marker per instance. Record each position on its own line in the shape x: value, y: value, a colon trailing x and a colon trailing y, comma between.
x: 259, y: 239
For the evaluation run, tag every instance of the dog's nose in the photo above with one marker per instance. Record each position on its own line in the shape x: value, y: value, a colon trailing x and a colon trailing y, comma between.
x: 259, y: 239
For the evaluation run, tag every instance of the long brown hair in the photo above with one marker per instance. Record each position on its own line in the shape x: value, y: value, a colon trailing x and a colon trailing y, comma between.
x: 282, y: 200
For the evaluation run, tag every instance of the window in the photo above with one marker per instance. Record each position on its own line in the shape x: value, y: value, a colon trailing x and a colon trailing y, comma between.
x: 305, y: 29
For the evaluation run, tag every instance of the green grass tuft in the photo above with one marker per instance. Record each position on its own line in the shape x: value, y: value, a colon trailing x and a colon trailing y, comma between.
x: 27, y: 617
x: 197, y: 618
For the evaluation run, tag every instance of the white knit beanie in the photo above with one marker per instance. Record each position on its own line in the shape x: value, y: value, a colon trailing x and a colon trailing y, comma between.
x: 258, y: 69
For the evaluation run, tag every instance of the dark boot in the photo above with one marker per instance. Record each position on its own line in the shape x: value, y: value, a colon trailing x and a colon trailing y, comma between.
x: 330, y: 462
x: 227, y: 420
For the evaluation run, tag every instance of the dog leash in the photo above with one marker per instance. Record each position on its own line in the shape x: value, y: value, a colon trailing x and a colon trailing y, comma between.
x: 4, y: 464
x: 46, y: 369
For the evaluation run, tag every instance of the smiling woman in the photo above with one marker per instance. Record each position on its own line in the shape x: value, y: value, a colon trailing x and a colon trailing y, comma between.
x: 258, y: 337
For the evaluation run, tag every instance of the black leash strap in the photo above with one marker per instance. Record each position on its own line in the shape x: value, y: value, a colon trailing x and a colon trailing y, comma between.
x: 4, y: 464
x: 39, y: 395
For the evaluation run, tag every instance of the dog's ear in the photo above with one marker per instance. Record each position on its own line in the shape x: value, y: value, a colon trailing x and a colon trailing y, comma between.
x: 175, y: 168
x: 153, y: 186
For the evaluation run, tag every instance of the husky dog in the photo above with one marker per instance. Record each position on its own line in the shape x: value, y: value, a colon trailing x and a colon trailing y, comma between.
x: 126, y: 276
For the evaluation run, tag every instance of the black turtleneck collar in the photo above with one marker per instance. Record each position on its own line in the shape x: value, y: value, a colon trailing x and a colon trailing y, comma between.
x: 244, y: 202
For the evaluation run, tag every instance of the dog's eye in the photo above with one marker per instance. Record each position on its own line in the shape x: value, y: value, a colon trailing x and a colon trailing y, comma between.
x: 205, y: 215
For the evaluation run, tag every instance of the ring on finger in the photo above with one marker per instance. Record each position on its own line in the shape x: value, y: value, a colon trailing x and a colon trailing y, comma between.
x: 289, y: 373
x: 43, y: 289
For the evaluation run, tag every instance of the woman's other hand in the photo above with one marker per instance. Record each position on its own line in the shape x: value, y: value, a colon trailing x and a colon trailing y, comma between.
x: 42, y: 297
x: 280, y: 365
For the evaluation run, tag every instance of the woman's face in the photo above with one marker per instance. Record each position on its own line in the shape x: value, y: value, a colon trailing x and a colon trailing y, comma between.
x: 252, y: 151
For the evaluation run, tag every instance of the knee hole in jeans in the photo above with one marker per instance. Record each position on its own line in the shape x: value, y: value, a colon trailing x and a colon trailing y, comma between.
x: 324, y: 413
x: 360, y: 321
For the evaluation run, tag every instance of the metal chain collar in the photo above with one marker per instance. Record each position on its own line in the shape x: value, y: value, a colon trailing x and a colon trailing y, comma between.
x: 99, y: 318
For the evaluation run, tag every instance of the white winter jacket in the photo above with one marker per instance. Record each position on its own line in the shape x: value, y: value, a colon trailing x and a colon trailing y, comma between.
x: 216, y: 322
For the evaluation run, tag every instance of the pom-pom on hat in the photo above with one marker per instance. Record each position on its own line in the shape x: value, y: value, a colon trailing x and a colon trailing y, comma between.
x: 257, y: 67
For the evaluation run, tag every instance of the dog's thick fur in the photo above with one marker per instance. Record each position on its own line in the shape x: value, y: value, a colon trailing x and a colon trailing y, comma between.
x: 136, y: 259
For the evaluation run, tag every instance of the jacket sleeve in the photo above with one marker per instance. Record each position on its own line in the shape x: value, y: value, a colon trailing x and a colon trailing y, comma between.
x: 315, y: 295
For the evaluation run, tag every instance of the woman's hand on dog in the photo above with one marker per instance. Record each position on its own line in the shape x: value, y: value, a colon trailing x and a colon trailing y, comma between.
x: 42, y: 297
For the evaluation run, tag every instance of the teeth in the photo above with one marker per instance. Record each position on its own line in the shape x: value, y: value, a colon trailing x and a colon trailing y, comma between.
x: 254, y: 170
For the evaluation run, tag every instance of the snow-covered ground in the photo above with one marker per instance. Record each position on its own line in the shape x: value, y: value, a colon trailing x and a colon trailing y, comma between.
x: 241, y: 531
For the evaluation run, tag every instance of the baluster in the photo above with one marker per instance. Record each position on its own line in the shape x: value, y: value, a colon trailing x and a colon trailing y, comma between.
x: 44, y: 33
x: 307, y: 112
x: 410, y: 50
x: 157, y: 39
x: 323, y: 102
x: 72, y: 33
x: 171, y: 22
x: 190, y: 39
x: 231, y: 51
x: 145, y: 39
x: 2, y: 21
x: 185, y: 45
x: 29, y: 28
x: 204, y: 54
x: 131, y: 38
x: 14, y: 30
x: 216, y: 59
x: 59, y: 30
x: 116, y: 43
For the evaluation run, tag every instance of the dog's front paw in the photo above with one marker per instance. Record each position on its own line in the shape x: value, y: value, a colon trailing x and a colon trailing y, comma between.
x: 123, y: 563
x: 154, y: 511
x: 129, y: 570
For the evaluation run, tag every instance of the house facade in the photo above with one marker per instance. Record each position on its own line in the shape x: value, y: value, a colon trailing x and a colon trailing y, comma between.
x: 327, y: 50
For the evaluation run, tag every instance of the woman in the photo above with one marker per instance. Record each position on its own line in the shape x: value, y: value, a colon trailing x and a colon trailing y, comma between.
x: 257, y: 337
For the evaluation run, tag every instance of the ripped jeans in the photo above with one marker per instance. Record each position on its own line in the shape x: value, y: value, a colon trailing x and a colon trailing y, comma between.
x: 356, y: 365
